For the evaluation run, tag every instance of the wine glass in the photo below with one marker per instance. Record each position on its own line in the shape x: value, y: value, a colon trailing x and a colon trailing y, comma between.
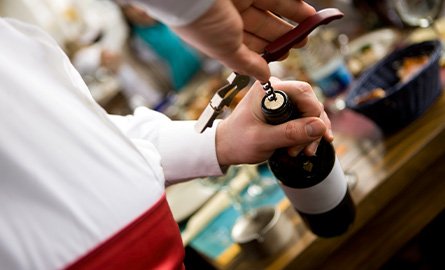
x: 233, y: 190
x: 245, y: 197
x: 419, y: 13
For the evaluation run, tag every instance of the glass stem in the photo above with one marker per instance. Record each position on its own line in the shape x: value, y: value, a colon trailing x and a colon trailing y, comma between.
x: 238, y: 203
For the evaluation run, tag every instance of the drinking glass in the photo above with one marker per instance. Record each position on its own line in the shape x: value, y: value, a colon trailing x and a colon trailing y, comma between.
x: 419, y: 13
x: 223, y: 182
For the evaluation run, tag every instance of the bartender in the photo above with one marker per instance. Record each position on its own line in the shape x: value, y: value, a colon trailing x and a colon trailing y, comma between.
x: 81, y: 189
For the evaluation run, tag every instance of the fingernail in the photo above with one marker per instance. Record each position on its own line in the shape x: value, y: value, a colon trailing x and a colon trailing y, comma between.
x: 330, y: 134
x: 313, y: 148
x: 315, y: 129
x: 293, y: 151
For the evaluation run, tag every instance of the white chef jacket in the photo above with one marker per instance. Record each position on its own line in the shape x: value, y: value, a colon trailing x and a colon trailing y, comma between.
x: 71, y: 175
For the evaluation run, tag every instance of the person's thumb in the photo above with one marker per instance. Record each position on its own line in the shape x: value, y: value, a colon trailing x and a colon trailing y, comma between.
x: 297, y: 134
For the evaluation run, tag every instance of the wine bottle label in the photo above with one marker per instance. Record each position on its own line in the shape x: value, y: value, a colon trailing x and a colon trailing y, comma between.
x: 321, y: 197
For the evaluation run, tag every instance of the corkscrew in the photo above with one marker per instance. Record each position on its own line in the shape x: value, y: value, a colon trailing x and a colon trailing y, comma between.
x: 273, y: 52
x: 270, y: 92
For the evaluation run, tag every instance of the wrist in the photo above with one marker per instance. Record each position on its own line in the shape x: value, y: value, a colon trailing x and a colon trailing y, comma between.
x: 221, y: 146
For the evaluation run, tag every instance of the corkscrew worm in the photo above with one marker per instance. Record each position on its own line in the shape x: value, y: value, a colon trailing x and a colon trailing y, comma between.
x: 270, y: 92
x: 273, y: 52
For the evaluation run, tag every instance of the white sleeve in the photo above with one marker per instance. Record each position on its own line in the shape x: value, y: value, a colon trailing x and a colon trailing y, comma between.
x: 185, y: 153
x: 175, y: 12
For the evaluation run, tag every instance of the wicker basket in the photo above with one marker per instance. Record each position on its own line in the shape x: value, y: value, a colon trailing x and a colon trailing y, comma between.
x: 403, y: 102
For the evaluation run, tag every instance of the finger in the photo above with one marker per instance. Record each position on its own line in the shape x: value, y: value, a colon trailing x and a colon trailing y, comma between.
x: 257, y: 44
x: 328, y: 135
x: 266, y: 27
x: 295, y: 150
x: 247, y: 62
x: 264, y: 24
x: 295, y: 10
x: 311, y: 149
x: 301, y: 95
x: 296, y: 133
x: 254, y: 43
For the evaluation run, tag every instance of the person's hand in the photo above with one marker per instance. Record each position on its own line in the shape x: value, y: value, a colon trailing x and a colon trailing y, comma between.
x: 244, y: 137
x: 236, y: 32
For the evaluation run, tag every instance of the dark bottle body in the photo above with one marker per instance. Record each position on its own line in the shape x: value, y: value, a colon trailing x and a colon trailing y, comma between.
x: 316, y: 186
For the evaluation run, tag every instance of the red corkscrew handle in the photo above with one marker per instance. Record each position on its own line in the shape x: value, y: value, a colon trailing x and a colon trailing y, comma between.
x: 281, y: 46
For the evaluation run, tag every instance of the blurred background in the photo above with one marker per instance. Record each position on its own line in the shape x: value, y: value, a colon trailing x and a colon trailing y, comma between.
x: 128, y: 59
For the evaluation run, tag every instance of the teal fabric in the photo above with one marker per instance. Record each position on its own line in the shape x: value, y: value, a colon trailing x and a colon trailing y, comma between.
x: 216, y: 237
x: 183, y: 61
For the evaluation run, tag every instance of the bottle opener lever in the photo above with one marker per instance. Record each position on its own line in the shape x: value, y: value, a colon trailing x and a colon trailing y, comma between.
x: 222, y: 97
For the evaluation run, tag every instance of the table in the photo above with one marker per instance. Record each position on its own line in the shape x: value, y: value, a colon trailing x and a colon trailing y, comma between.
x: 392, y: 205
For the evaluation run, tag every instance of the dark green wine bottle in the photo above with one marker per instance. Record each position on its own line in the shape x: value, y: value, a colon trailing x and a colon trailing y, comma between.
x: 315, y: 185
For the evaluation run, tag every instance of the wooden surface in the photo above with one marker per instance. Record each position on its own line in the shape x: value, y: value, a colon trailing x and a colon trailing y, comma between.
x: 399, y: 191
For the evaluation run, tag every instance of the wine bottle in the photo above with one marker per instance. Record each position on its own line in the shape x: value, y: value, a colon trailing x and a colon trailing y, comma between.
x: 315, y: 185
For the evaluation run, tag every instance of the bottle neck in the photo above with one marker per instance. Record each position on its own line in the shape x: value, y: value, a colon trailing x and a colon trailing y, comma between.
x: 279, y: 110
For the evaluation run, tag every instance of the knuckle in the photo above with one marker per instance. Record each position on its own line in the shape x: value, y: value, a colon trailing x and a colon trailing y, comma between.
x: 305, y: 87
x: 292, y: 131
x: 321, y: 106
x: 320, y: 109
